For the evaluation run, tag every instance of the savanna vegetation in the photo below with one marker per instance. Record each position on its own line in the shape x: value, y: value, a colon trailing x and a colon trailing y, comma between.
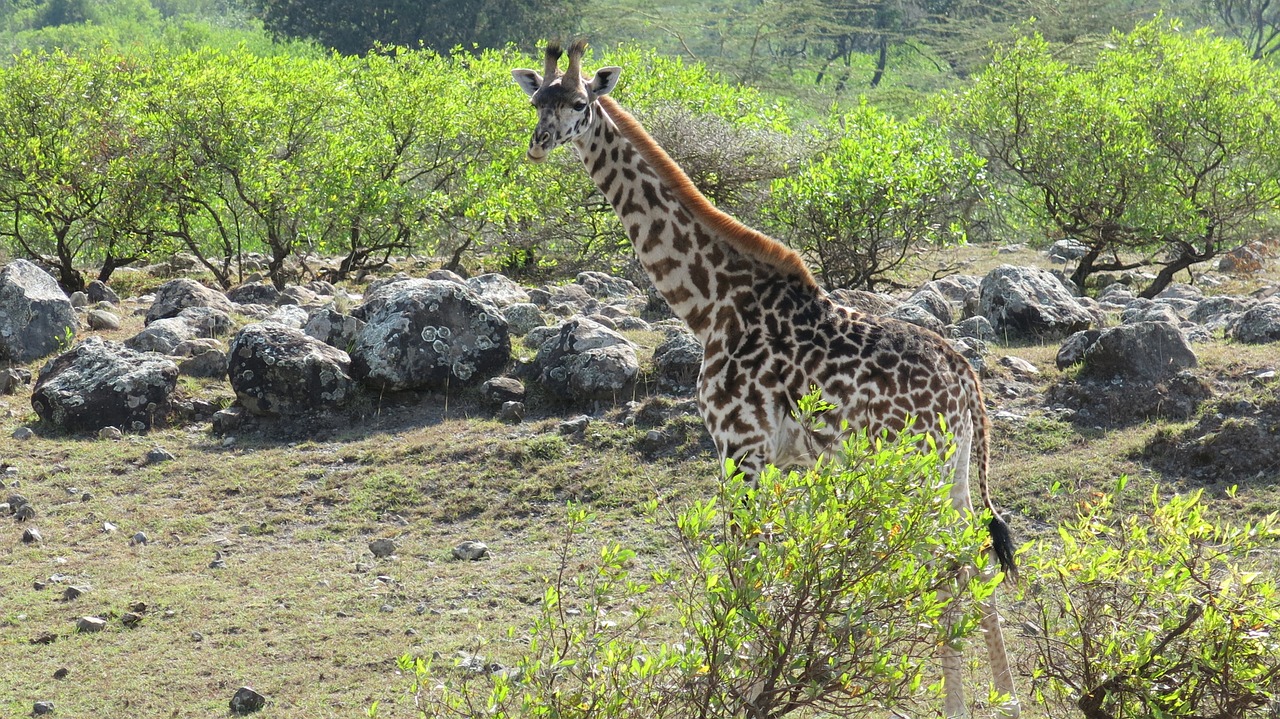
x: 318, y: 139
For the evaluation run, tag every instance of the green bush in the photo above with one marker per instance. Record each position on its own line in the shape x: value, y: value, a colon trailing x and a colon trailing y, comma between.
x: 1162, y: 613
x: 815, y: 590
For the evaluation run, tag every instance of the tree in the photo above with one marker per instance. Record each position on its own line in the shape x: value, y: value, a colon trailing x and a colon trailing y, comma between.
x: 1163, y: 152
x: 884, y: 190
x: 442, y: 25
x: 1255, y: 22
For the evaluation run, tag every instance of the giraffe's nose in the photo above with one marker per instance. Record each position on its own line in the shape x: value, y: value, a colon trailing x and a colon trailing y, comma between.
x: 542, y: 139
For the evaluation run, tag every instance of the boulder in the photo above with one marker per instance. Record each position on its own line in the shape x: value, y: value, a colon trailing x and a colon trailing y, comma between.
x: 498, y: 290
x: 333, y: 328
x: 1073, y: 348
x: 917, y: 315
x: 585, y: 360
x: 36, y: 318
x: 1148, y: 351
x: 1259, y: 324
x: 278, y: 370
x: 1029, y: 303
x: 930, y: 299
x: 176, y: 295
x: 871, y: 303
x: 102, y: 320
x: 254, y: 293
x: 428, y: 334
x: 1066, y: 250
x: 602, y: 286
x: 523, y: 317
x: 677, y: 362
x: 162, y: 336
x: 299, y: 295
x: 1218, y: 311
x: 289, y: 315
x: 977, y: 327
x: 100, y: 384
x: 98, y: 291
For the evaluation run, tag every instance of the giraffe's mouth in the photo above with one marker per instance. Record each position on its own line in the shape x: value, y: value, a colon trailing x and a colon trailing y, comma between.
x: 536, y: 154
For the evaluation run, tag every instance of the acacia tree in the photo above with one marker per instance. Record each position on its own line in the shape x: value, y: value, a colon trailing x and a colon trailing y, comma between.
x: 1162, y: 153
x: 884, y: 190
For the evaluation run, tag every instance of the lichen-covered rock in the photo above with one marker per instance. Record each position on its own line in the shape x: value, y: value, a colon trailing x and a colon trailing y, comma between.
x: 498, y: 290
x: 1148, y: 351
x: 917, y: 315
x: 1025, y: 302
x: 1259, y: 324
x: 100, y: 384
x: 585, y: 360
x: 1072, y: 350
x: 278, y: 370
x: 931, y: 299
x: 289, y: 315
x: 254, y: 293
x: 333, y: 328
x: 677, y: 362
x: 602, y: 286
x: 161, y: 336
x: 175, y: 296
x: 523, y: 317
x: 35, y: 316
x: 428, y: 334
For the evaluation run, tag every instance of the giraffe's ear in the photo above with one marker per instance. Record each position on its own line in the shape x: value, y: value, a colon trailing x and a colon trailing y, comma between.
x: 605, y: 80
x: 528, y: 80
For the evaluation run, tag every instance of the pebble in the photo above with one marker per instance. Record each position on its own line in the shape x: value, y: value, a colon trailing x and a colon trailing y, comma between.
x: 23, y: 433
x: 197, y: 637
x: 382, y: 548
x: 108, y: 527
x: 575, y: 425
x: 42, y: 708
x: 218, y: 561
x: 24, y: 513
x: 131, y: 619
x: 31, y: 535
x: 470, y: 551
x: 511, y: 412
x: 158, y: 455
x: 61, y: 673
x: 110, y: 433
x: 247, y: 701
x: 73, y: 592
x: 139, y: 538
x: 91, y: 624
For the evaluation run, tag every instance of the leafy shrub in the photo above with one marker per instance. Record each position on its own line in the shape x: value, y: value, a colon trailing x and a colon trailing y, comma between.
x: 882, y: 191
x: 1162, y: 613
x: 816, y: 590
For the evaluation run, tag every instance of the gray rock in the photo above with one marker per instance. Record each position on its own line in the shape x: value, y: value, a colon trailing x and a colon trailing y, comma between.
x: 602, y: 286
x: 469, y: 551
x: 523, y: 317
x: 1154, y: 312
x: 98, y: 291
x: 443, y: 275
x: 227, y: 420
x: 1025, y: 302
x: 677, y: 362
x: 247, y: 701
x: 23, y: 433
x: 1259, y: 324
x: 12, y: 379
x: 176, y: 295
x: 159, y: 455
x: 31, y: 535
x: 503, y: 389
x: 511, y: 412
x: 333, y: 328
x: 111, y: 434
x: 1067, y: 250
x: 382, y: 548
x: 42, y: 708
x: 102, y: 320
x: 586, y: 361
x: 871, y: 303
x: 977, y: 327
x: 35, y: 317
x: 1149, y: 351
x: 24, y: 513
x: 138, y: 539
x: 74, y: 592
x: 498, y: 290
x: 1216, y: 312
x: 931, y: 299
x: 291, y: 315
x: 633, y: 324
x: 210, y: 364
x: 1073, y: 348
x: 277, y: 370
x: 298, y: 295
x: 1021, y: 368
x: 254, y: 293
x: 574, y: 425
x: 428, y: 334
x: 91, y: 624
x: 162, y: 336
x: 918, y: 316
x: 207, y: 321
x: 101, y: 383
x: 78, y: 299
x: 974, y: 351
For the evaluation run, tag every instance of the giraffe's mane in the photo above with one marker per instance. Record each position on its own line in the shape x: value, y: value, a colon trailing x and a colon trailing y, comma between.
x: 748, y: 241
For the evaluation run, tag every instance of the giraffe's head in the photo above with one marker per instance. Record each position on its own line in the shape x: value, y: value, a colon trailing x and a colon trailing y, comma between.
x: 566, y: 103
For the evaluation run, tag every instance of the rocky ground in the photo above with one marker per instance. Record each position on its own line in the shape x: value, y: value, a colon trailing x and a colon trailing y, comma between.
x: 276, y: 489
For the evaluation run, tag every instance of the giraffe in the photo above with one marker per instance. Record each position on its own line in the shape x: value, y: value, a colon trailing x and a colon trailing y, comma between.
x: 768, y: 330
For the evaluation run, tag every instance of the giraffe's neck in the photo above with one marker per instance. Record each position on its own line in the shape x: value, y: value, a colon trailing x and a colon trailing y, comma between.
x: 680, y: 254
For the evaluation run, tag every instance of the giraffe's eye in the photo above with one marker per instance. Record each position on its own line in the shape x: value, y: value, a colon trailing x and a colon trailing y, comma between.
x: 579, y: 107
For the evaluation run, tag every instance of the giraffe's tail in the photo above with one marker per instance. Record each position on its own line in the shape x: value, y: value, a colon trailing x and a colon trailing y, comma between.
x: 1001, y: 538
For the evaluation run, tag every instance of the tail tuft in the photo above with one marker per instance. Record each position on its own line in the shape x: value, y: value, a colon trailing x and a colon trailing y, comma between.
x: 1002, y: 545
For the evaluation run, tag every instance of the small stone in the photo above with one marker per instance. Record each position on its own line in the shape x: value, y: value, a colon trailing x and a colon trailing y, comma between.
x: 131, y: 619
x: 197, y: 637
x: 24, y: 513
x: 31, y: 535
x: 138, y: 607
x: 247, y: 701
x: 387, y: 608
x: 382, y: 548
x: 44, y: 638
x: 61, y: 673
x: 511, y: 412
x: 218, y: 561
x: 23, y: 433
x: 575, y: 425
x: 39, y: 586
x: 91, y: 624
x: 73, y: 592
x: 42, y: 708
x: 5, y: 508
x: 109, y: 528
x: 139, y: 538
x: 158, y: 455
x: 470, y: 551
x: 110, y: 433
